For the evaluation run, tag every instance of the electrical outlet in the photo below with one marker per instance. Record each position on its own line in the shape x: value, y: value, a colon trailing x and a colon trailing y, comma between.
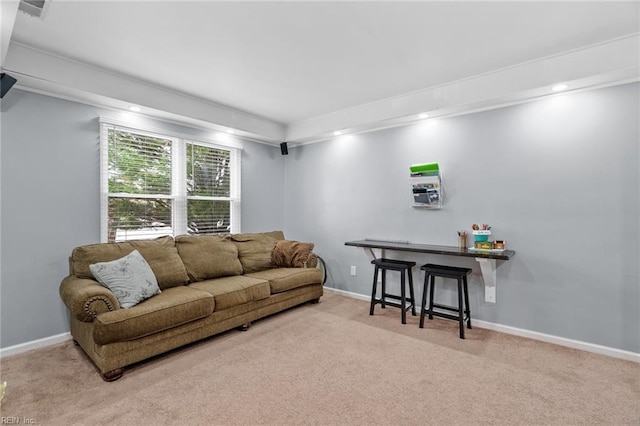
x: 490, y: 294
x: 353, y: 270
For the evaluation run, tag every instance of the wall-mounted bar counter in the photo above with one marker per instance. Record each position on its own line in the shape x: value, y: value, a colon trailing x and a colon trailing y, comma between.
x: 486, y: 258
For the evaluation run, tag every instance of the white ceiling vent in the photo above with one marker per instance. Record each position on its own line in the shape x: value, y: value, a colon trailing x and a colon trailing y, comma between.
x: 33, y: 7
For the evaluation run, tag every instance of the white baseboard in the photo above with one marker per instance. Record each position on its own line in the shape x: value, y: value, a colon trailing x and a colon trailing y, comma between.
x: 562, y: 341
x: 35, y: 344
x: 348, y: 294
x: 575, y: 344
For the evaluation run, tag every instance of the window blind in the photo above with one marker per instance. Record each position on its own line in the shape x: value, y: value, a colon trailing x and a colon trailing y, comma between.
x: 208, y: 189
x: 154, y: 185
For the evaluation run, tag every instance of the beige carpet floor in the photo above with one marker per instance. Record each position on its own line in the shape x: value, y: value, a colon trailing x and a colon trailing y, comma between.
x: 332, y: 364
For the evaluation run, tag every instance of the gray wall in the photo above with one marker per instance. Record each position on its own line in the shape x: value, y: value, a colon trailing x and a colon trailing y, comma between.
x: 262, y: 182
x: 557, y: 179
x: 50, y: 204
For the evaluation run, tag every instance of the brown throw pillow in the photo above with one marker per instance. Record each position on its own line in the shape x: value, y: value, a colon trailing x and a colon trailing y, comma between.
x: 255, y: 250
x: 291, y: 254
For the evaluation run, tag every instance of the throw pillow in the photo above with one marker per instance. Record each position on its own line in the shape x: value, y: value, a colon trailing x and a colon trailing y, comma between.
x: 255, y: 250
x: 129, y: 278
x: 160, y: 253
x: 291, y: 254
x: 208, y: 256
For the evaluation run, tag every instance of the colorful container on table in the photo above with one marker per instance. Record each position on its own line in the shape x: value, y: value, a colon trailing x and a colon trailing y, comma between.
x: 481, y: 235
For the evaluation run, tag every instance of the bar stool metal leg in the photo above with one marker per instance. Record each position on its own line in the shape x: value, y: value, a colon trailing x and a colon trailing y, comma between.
x: 403, y: 297
x: 423, y: 305
x: 411, y: 293
x: 374, y: 290
x: 466, y: 301
x: 384, y: 288
x: 460, y: 309
x: 432, y: 292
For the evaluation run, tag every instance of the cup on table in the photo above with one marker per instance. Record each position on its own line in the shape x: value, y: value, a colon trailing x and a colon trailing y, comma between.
x: 462, y: 242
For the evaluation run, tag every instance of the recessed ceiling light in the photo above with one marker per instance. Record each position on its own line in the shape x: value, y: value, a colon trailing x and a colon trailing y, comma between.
x: 135, y: 108
x: 559, y: 87
x: 423, y: 115
x: 337, y: 133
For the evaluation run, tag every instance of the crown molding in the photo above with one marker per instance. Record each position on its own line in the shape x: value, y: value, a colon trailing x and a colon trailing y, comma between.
x: 613, y: 62
x: 57, y: 76
x: 608, y: 63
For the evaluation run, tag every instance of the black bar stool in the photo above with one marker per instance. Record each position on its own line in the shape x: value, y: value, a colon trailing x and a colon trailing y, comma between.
x: 432, y: 271
x: 401, y: 266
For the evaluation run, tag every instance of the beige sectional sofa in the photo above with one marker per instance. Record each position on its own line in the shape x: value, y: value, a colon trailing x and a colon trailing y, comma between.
x: 209, y: 284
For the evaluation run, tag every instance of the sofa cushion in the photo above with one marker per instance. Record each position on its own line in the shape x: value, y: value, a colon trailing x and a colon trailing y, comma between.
x: 173, y: 307
x: 254, y: 250
x: 161, y: 255
x: 233, y: 291
x: 283, y: 279
x: 208, y: 256
x: 291, y: 254
x: 129, y: 278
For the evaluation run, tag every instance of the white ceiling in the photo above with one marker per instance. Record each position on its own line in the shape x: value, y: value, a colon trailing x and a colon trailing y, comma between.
x: 296, y: 64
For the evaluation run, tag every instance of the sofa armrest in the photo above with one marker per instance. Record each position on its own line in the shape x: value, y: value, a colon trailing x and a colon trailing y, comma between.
x: 86, y: 298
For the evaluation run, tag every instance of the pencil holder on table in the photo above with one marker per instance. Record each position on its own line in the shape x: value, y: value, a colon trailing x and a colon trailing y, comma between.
x: 481, y: 235
x: 462, y: 241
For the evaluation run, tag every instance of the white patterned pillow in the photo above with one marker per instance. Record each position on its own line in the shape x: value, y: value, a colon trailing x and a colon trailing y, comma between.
x: 130, y: 278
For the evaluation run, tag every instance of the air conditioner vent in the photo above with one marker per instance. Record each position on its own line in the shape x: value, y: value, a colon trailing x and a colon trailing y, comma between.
x: 33, y: 7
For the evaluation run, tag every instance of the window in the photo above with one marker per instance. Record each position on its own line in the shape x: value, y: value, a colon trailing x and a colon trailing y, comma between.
x: 155, y: 185
x: 208, y: 189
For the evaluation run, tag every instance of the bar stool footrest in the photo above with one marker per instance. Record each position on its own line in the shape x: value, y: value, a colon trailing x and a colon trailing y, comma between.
x: 443, y: 315
x: 395, y: 304
x: 448, y: 308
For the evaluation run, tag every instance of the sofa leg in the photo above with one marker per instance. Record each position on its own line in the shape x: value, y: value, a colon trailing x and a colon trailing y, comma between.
x: 75, y: 342
x: 245, y: 326
x: 113, y: 375
x: 314, y: 301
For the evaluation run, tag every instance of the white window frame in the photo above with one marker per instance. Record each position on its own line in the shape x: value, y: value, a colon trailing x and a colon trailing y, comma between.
x: 178, y: 178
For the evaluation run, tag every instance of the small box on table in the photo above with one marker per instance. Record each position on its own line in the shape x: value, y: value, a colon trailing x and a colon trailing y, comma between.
x: 484, y: 245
